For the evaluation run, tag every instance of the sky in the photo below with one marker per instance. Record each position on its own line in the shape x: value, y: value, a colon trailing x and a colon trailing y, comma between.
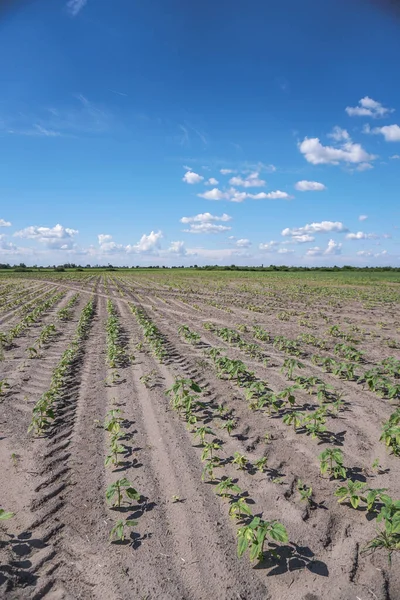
x: 169, y: 132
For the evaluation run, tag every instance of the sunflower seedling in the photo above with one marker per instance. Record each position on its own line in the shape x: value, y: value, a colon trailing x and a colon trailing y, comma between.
x: 116, y: 491
x: 331, y: 463
x: 254, y: 535
x: 118, y: 531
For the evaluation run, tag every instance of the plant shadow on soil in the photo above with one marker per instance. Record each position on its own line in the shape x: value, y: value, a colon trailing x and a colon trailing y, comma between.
x: 286, y: 558
x: 16, y: 572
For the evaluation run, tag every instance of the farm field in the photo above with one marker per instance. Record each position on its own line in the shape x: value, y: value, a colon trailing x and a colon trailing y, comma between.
x: 176, y: 434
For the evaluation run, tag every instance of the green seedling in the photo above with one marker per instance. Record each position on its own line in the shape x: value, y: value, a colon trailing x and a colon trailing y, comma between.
x: 118, y: 531
x: 229, y: 425
x: 208, y: 449
x: 254, y: 535
x: 3, y: 386
x: 240, y: 460
x: 261, y: 463
x: 305, y: 492
x: 239, y: 508
x: 293, y: 418
x: 116, y: 491
x: 331, y: 463
x: 226, y: 488
x: 202, y: 431
x: 4, y: 515
x: 351, y: 491
x: 208, y: 469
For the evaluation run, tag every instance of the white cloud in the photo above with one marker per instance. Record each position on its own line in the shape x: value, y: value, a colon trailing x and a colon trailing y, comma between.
x: 177, y: 248
x: 103, y: 238
x: 277, y: 195
x: 233, y: 195
x: 395, y: 157
x: 212, y: 181
x: 214, y: 194
x: 192, y: 177
x: 367, y: 107
x: 243, y: 243
x: 206, y: 218
x: 75, y: 6
x: 268, y: 246
x: 57, y: 237
x: 302, y: 239
x: 226, y: 171
x: 207, y: 228
x: 339, y: 134
x: 285, y: 251
x: 4, y: 223
x: 322, y: 227
x: 391, y: 133
x: 252, y: 180
x: 360, y: 235
x: 147, y: 243
x: 309, y: 186
x: 333, y: 248
x: 364, y: 167
x: 317, y: 154
x: 364, y: 253
x: 363, y: 217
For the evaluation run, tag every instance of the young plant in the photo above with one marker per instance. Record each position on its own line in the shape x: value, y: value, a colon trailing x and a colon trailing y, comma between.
x: 305, y: 492
x: 202, y: 431
x: 351, y: 491
x: 118, y: 531
x: 229, y: 425
x: 254, y: 535
x: 4, y: 515
x: 226, y: 488
x: 331, y: 463
x: 116, y: 491
x: 239, y: 508
x: 260, y: 464
x: 240, y: 460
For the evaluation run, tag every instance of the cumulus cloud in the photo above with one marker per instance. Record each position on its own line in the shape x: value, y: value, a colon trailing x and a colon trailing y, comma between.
x: 333, y: 248
x: 57, y: 237
x: 302, y: 239
x: 363, y: 217
x: 226, y: 171
x: 285, y: 251
x: 367, y: 107
x: 361, y: 235
x: 395, y: 157
x: 322, y: 227
x: 347, y: 152
x: 309, y: 186
x: 212, y: 181
x: 205, y: 218
x: 233, y: 195
x: 146, y: 244
x: 268, y: 246
x: 207, y: 228
x: 339, y: 134
x: 192, y: 177
x: 177, y: 248
x: 103, y: 238
x: 4, y: 223
x: 214, y: 194
x: 252, y: 180
x: 243, y: 243
x: 391, y: 133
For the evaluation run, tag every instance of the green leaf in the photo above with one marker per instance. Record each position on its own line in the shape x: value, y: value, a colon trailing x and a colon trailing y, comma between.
x: 5, y: 515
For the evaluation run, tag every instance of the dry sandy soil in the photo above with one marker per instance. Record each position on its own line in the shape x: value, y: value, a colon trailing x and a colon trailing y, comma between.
x: 57, y: 544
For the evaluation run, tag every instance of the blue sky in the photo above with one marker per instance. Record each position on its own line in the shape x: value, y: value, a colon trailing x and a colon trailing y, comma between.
x: 171, y: 132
